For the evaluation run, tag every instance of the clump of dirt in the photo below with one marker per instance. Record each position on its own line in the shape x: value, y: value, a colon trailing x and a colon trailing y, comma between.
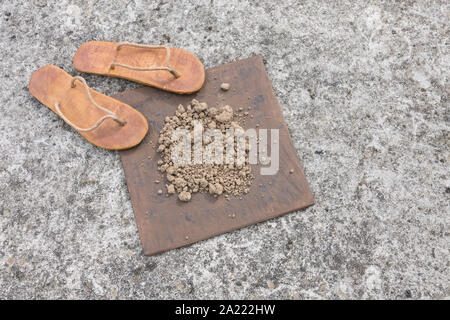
x: 225, y: 86
x: 186, y: 179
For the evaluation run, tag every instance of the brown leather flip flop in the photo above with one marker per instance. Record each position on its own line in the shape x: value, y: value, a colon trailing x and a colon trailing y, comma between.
x: 102, y: 120
x: 169, y: 69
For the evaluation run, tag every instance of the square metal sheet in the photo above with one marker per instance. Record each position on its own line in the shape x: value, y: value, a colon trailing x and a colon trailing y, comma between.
x: 164, y: 222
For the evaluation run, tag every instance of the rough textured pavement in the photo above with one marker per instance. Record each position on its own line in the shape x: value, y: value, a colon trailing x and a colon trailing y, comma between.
x: 364, y: 89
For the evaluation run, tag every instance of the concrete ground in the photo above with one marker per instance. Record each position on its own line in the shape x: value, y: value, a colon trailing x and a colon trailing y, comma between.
x: 365, y: 92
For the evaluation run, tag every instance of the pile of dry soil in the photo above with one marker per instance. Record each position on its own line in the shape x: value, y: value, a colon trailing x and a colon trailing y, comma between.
x: 216, y: 179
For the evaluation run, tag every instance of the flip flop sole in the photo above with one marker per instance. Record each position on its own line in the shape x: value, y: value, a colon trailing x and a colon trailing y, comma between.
x: 51, y: 85
x: 97, y: 56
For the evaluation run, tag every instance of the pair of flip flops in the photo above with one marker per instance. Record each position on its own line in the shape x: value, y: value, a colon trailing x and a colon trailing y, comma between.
x: 102, y: 120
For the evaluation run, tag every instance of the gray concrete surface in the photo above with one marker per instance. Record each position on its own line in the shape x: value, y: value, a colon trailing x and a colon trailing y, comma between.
x: 364, y: 89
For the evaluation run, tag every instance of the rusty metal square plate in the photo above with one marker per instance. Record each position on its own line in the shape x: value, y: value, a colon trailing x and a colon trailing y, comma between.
x: 166, y: 223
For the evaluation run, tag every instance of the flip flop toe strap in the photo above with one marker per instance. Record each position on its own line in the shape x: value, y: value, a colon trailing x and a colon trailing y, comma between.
x: 168, y: 67
x: 109, y: 115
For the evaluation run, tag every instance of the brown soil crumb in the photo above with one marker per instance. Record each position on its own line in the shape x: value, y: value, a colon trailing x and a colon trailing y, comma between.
x: 170, y: 189
x: 184, y: 196
x: 215, y: 179
x: 225, y: 86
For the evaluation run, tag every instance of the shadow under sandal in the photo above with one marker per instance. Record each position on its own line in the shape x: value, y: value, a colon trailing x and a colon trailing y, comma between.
x: 102, y: 120
x: 171, y: 69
